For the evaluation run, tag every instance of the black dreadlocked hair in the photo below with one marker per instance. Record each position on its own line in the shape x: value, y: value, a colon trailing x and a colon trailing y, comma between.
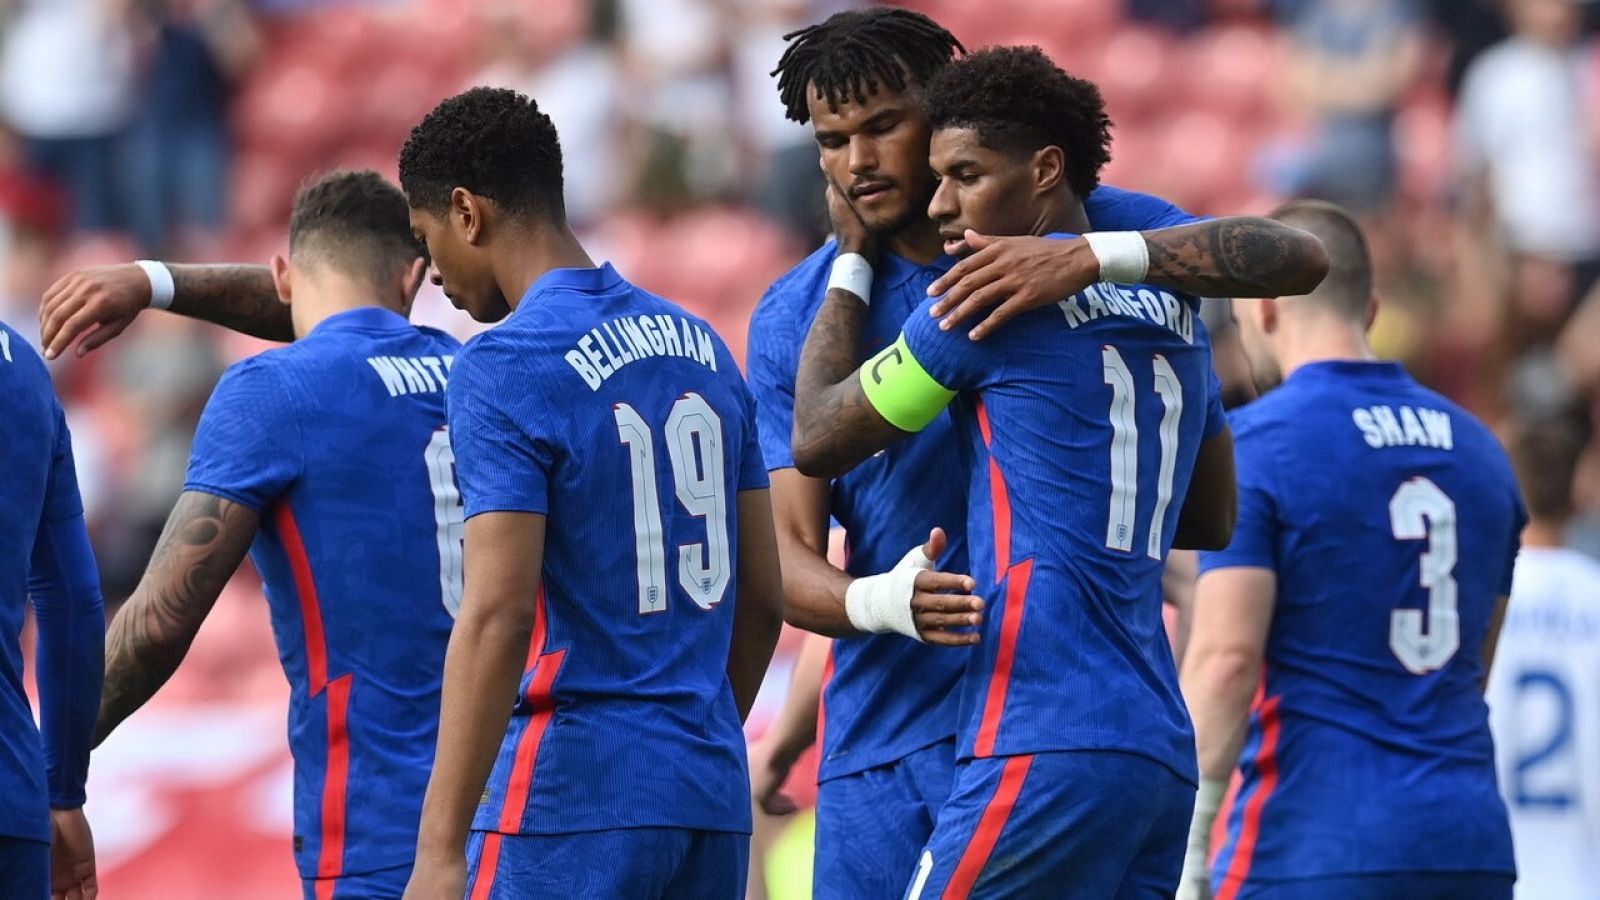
x: 1018, y: 101
x: 854, y: 54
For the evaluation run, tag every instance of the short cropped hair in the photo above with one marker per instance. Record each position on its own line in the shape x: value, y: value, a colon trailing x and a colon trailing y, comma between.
x: 856, y: 53
x: 355, y: 221
x: 495, y: 143
x: 1347, y: 289
x: 1019, y: 102
x: 1545, y: 455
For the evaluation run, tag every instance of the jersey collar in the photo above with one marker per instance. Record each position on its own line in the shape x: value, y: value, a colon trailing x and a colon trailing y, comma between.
x: 1367, y: 369
x: 366, y: 318
x: 602, y: 278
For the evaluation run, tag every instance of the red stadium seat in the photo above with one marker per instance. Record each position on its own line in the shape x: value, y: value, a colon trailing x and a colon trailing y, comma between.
x: 1229, y: 69
x: 1134, y: 69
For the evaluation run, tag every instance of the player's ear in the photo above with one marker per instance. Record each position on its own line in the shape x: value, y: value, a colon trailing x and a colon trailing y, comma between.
x: 1267, y: 309
x: 282, y: 279
x: 1372, y: 311
x: 411, y: 282
x: 1049, y: 168
x: 466, y: 213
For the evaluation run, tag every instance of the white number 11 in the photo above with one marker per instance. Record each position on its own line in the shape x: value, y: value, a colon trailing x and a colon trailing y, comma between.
x: 1125, y: 450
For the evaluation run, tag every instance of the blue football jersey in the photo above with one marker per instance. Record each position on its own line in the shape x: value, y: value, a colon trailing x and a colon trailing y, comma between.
x: 1081, y: 423
x: 338, y: 442
x: 1392, y: 519
x: 625, y: 421
x: 38, y: 487
x: 888, y: 696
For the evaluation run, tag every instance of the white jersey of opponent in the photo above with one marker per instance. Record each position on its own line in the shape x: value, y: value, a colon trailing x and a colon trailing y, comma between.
x: 1544, y: 710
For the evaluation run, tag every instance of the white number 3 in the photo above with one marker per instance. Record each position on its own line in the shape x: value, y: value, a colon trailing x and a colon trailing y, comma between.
x: 1419, y: 510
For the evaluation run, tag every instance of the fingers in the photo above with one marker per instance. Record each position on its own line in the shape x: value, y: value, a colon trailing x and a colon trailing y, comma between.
x: 779, y: 804
x: 55, y: 311
x: 1018, y: 302
x: 931, y: 582
x: 937, y: 541
x: 83, y: 318
x: 949, y: 638
x: 974, y: 272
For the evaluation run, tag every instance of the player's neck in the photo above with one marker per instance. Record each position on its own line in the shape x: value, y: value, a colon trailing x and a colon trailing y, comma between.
x: 918, y: 242
x: 532, y: 252
x: 1322, y: 342
x: 329, y: 295
x: 1544, y: 533
x: 1063, y: 215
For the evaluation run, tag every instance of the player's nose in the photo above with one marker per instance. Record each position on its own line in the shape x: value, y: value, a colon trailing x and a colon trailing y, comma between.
x: 863, y: 156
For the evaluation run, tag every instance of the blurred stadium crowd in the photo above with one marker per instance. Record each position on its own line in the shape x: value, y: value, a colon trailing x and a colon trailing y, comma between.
x: 1466, y: 133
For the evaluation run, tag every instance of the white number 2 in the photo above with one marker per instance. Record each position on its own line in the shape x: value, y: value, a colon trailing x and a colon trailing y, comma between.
x: 1125, y: 450
x: 1419, y: 510
x: 447, y: 517
x: 694, y: 445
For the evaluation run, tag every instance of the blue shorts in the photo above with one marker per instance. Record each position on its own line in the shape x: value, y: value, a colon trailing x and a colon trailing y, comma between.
x: 624, y: 863
x: 1081, y: 824
x: 384, y: 884
x: 1412, y: 886
x: 872, y: 825
x: 24, y: 869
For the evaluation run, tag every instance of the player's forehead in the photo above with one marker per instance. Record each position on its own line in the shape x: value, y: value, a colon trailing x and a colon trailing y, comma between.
x: 956, y: 146
x: 848, y: 113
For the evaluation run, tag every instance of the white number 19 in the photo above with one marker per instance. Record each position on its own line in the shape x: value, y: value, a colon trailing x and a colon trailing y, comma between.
x: 694, y: 444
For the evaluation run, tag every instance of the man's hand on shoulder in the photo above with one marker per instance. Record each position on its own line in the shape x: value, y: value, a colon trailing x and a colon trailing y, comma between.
x: 1013, y: 275
x: 91, y: 306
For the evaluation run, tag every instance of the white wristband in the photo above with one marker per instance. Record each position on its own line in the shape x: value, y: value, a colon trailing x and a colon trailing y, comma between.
x: 1124, y: 256
x: 852, y: 272
x: 162, y: 288
x: 881, y: 604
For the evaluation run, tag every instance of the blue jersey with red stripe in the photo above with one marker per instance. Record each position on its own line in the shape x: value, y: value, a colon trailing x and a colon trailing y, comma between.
x: 887, y: 696
x: 338, y: 442
x: 625, y: 421
x: 1081, y: 423
x: 38, y: 489
x: 1391, y: 518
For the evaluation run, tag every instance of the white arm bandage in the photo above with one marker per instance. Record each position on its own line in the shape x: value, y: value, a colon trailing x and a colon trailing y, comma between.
x: 881, y: 604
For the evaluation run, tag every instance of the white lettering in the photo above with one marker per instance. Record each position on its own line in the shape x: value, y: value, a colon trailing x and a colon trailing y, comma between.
x: 586, y: 344
x: 1074, y: 313
x: 690, y: 349
x: 386, y: 370
x: 1369, y: 429
x: 5, y: 345
x: 652, y: 332
x: 630, y: 330
x: 708, y: 350
x: 1414, y: 433
x: 669, y: 331
x: 413, y: 375
x: 432, y: 362
x: 1438, y: 425
x: 584, y: 370
x: 1152, y: 307
x: 1390, y: 426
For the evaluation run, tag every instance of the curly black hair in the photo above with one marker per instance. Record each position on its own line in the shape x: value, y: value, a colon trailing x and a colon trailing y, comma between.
x: 355, y: 218
x: 491, y: 141
x: 1018, y: 102
x: 853, y: 54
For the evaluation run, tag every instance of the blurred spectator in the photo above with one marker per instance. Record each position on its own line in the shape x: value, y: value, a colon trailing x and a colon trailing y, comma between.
x: 178, y: 146
x: 1526, y: 145
x: 1180, y: 15
x: 67, y: 87
x: 1473, y: 26
x: 567, y: 57
x: 1349, y: 64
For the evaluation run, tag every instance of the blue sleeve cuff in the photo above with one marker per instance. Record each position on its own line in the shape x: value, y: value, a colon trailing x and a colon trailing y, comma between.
x: 65, y: 586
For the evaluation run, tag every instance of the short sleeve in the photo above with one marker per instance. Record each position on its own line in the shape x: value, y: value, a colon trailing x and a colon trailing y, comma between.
x: 248, y: 445
x: 1114, y: 209
x: 1519, y: 521
x: 61, y: 499
x: 1255, y: 534
x: 502, y: 464
x: 752, y: 461
x: 772, y: 362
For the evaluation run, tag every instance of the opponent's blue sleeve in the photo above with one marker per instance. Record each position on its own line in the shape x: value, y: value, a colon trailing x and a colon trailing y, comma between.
x: 503, y: 459
x: 1255, y: 534
x: 1114, y: 209
x: 772, y: 361
x: 249, y: 445
x: 64, y: 585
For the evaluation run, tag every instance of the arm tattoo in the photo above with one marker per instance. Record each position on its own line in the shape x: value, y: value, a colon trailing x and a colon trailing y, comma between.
x: 204, y: 540
x: 835, y: 426
x: 1242, y: 256
x: 239, y: 298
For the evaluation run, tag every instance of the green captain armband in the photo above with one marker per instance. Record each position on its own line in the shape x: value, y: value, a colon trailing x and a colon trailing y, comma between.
x: 901, y: 390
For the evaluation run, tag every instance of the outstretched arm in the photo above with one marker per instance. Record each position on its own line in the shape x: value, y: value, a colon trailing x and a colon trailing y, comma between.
x: 91, y: 306
x: 1240, y: 256
x: 205, y: 540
